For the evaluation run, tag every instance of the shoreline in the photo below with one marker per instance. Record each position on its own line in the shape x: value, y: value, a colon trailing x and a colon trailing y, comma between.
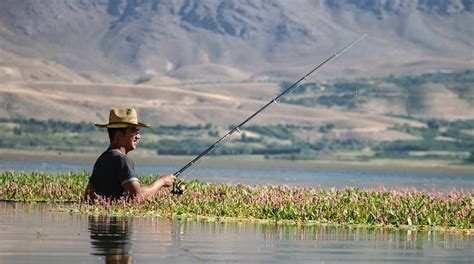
x: 375, y: 165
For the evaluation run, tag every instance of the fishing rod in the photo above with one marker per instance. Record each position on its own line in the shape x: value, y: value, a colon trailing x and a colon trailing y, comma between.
x: 179, y: 187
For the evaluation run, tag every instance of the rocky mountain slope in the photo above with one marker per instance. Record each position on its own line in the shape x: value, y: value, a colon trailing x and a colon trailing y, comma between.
x: 122, y: 40
x: 217, y: 61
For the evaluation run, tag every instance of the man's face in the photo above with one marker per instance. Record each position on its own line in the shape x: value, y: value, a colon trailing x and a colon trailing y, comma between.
x: 130, y: 138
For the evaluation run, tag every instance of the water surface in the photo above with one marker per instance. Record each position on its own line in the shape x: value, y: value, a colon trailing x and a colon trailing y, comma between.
x: 32, y: 233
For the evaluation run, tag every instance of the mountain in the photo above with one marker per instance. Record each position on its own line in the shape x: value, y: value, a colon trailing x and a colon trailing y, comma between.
x: 217, y: 61
x: 128, y: 40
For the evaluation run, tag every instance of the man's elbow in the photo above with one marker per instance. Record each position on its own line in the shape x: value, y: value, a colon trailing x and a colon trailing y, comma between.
x: 134, y: 190
x: 132, y: 195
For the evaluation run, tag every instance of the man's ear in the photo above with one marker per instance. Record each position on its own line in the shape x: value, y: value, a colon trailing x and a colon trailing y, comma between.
x: 118, y: 134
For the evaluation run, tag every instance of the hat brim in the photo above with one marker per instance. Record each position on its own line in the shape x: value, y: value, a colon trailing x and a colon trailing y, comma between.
x: 122, y: 125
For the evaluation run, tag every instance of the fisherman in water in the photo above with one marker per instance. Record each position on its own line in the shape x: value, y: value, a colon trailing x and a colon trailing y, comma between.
x: 114, y: 173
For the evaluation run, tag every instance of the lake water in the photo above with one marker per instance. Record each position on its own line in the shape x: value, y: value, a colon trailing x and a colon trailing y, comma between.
x: 32, y: 233
x: 310, y: 177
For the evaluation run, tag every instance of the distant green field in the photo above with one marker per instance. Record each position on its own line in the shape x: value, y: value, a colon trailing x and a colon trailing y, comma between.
x: 455, y: 143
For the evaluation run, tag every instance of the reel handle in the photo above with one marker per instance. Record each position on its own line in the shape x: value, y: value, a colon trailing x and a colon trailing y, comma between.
x: 178, y: 188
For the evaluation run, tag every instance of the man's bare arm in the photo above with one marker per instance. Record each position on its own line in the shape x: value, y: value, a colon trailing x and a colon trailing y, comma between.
x: 134, y: 189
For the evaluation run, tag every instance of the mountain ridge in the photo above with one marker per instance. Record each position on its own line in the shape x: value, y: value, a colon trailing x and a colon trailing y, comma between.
x: 122, y: 40
x: 197, y: 62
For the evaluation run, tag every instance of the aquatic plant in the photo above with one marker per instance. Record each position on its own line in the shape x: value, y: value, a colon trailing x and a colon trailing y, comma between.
x: 39, y: 186
x: 379, y: 207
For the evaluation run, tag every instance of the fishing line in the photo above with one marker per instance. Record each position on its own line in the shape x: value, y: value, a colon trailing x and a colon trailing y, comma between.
x: 179, y: 187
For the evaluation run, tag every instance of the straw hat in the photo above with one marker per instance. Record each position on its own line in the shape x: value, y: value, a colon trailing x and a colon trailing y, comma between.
x: 123, y: 117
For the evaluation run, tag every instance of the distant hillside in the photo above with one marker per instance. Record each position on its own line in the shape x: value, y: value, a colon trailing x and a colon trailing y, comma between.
x: 440, y: 95
x: 196, y: 62
x: 361, y: 108
x: 164, y: 40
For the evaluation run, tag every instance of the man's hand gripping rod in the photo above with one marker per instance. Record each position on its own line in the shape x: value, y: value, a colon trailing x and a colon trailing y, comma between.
x: 179, y: 187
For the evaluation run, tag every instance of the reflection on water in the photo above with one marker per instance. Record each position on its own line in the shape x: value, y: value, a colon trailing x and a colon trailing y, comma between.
x: 110, y: 237
x: 32, y: 233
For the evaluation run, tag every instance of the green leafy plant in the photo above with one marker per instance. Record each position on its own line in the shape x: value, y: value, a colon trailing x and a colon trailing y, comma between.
x: 379, y: 207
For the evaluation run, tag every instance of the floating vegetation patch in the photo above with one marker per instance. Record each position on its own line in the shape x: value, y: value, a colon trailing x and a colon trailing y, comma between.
x: 37, y: 186
x: 379, y: 207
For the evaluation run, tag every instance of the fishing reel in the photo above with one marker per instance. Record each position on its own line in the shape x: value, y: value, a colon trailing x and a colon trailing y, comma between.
x: 178, y: 188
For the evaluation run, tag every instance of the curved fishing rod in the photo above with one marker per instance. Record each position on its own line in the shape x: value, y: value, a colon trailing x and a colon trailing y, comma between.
x: 179, y: 187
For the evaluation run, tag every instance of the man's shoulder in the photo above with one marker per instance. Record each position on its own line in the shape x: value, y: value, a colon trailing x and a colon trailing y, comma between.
x: 112, y: 156
x: 117, y: 156
x: 112, y: 153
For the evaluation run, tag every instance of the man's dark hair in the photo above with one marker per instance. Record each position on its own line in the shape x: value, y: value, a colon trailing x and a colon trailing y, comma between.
x: 113, y: 131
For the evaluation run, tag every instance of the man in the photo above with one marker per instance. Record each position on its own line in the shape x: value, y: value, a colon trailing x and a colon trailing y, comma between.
x: 114, y: 174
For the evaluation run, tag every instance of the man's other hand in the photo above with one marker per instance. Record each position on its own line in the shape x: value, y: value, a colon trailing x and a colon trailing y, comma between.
x: 167, y: 180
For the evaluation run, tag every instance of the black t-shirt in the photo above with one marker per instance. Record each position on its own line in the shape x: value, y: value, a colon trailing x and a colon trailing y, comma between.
x: 111, y: 171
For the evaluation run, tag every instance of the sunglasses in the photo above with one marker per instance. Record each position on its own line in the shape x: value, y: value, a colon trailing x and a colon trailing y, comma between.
x: 134, y: 130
